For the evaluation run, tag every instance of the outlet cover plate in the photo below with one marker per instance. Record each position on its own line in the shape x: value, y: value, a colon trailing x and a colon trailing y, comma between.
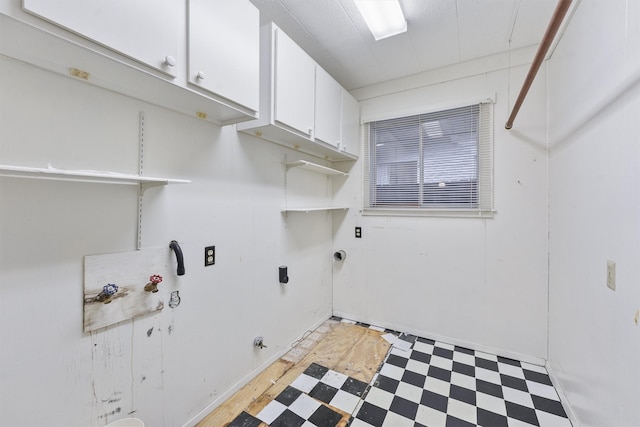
x: 209, y: 255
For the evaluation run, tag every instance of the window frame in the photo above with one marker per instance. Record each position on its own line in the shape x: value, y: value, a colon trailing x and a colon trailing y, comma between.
x: 485, y: 171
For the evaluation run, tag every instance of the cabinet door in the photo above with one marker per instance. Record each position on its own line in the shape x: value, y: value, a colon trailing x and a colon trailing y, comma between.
x: 294, y: 85
x: 145, y: 30
x: 350, y: 138
x: 327, y: 114
x: 224, y: 49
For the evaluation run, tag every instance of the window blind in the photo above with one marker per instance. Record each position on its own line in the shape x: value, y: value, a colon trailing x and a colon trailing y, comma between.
x: 439, y: 160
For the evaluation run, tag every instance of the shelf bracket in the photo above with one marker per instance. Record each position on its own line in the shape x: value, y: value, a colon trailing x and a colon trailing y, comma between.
x: 144, y: 186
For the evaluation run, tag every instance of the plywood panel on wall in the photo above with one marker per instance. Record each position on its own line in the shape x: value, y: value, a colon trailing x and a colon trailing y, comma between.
x: 130, y: 272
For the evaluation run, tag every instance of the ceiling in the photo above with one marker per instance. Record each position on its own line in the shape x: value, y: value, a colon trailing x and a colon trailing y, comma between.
x: 440, y: 33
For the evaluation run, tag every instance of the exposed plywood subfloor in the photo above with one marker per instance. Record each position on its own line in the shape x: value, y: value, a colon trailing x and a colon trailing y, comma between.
x: 349, y: 349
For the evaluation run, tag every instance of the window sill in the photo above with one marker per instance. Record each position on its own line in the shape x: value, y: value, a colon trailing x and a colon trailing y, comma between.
x: 439, y: 213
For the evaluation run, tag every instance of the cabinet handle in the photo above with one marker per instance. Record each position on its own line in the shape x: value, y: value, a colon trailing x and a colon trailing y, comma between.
x: 169, y: 60
x: 201, y: 75
x: 310, y: 132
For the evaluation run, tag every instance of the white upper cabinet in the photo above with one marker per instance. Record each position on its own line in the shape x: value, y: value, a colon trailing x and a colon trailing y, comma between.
x: 328, y: 110
x: 350, y: 129
x: 300, y: 103
x: 224, y: 49
x: 197, y: 57
x: 144, y: 30
x: 294, y: 84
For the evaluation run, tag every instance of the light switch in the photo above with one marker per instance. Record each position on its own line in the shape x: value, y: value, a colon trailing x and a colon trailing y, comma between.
x: 611, y: 275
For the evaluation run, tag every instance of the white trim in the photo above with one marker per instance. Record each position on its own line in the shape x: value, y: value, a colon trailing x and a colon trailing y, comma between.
x: 484, y: 207
x: 539, y: 361
x: 440, y: 213
x: 430, y: 108
x: 568, y: 409
x: 463, y: 70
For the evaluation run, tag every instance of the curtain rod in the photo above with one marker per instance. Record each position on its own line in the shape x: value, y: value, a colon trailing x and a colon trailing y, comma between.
x: 549, y: 35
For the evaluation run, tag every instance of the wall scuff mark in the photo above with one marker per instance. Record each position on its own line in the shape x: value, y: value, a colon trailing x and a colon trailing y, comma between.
x: 109, y: 414
x: 115, y: 397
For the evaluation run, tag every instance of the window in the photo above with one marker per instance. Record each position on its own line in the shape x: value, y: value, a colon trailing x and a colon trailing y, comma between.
x: 438, y: 162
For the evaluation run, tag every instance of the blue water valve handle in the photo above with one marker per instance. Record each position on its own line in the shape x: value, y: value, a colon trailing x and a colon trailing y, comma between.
x: 109, y: 289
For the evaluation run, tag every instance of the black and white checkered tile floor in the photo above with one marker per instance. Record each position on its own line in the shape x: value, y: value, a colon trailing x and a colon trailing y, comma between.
x: 301, y: 403
x: 438, y: 384
x: 421, y: 383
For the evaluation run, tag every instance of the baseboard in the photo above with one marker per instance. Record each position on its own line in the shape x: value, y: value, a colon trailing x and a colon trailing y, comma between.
x: 462, y: 343
x: 563, y: 397
x: 226, y: 395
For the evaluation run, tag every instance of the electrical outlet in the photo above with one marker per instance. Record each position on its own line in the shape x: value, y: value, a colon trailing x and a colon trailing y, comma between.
x: 611, y: 275
x: 209, y: 255
x: 358, y: 232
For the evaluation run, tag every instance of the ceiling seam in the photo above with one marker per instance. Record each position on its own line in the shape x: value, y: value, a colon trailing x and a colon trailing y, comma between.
x: 514, y: 19
x: 458, y: 31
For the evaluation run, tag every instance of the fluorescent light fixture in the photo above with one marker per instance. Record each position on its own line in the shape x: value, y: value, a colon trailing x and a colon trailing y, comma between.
x: 383, y: 17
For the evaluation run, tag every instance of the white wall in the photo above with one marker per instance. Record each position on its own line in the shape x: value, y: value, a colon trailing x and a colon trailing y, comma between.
x: 471, y: 281
x: 51, y: 373
x: 594, y: 128
x: 486, y: 283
